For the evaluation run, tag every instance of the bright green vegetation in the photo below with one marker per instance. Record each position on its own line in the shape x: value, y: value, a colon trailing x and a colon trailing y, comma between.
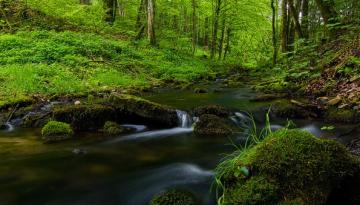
x: 174, y: 197
x: 287, y: 167
x: 55, y: 128
x: 48, y: 62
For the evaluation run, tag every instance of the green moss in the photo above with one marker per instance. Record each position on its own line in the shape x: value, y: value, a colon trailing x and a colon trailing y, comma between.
x: 143, y: 110
x: 212, y: 125
x: 174, y: 197
x: 291, y: 164
x: 113, y: 128
x: 12, y: 101
x: 56, y: 131
x: 256, y: 190
x: 84, y: 117
x: 340, y: 115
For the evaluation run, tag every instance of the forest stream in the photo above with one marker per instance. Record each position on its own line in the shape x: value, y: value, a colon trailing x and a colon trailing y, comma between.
x: 129, y: 169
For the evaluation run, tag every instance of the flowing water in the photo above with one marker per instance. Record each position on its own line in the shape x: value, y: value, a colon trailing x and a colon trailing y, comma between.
x: 124, y: 170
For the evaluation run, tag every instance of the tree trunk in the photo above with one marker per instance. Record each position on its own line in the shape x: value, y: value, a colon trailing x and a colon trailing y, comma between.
x: 206, y: 34
x: 151, y: 22
x: 274, y: 39
x: 284, y: 26
x: 215, y: 28
x: 140, y: 14
x: 227, y: 47
x: 305, y: 18
x: 222, y: 37
x: 110, y: 10
x: 295, y: 15
x: 194, y: 30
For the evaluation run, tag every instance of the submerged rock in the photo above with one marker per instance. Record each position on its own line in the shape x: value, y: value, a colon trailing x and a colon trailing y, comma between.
x: 212, y: 110
x: 340, y: 115
x: 174, y: 197
x: 291, y: 167
x: 55, y: 131
x: 288, y: 109
x: 212, y: 125
x: 113, y: 128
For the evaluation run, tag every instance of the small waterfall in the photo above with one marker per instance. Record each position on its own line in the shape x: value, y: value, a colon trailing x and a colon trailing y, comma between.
x: 185, y: 121
x: 9, y: 127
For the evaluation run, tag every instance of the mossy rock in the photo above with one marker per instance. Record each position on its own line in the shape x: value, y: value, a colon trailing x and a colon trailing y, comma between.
x: 20, y: 101
x: 84, y: 117
x: 289, y: 167
x: 286, y: 109
x: 212, y: 125
x: 174, y: 197
x: 140, y: 110
x: 340, y: 115
x: 113, y: 128
x: 55, y: 131
x: 212, y: 110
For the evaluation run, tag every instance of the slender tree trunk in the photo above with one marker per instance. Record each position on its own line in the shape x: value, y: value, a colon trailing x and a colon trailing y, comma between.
x: 274, y: 39
x: 295, y: 15
x: 206, y: 33
x: 110, y: 8
x: 284, y: 26
x: 151, y: 22
x: 140, y: 14
x: 227, y: 47
x: 305, y: 18
x: 222, y: 37
x: 215, y: 28
x: 194, y: 30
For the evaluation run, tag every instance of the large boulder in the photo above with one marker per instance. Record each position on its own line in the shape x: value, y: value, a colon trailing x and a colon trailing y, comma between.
x: 291, y: 167
x: 212, y: 125
x: 140, y: 110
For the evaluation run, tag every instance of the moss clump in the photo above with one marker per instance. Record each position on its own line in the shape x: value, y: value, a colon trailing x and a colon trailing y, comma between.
x: 287, y: 165
x: 56, y: 131
x: 212, y: 110
x: 112, y: 128
x: 340, y: 115
x: 174, y: 197
x: 84, y: 117
x: 212, y: 125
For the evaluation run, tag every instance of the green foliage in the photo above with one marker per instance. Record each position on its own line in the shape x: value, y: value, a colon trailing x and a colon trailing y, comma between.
x: 50, y: 62
x: 54, y: 128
